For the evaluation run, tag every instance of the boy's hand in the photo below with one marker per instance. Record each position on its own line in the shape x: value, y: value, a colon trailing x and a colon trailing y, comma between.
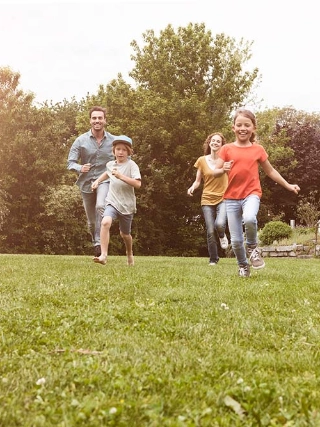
x: 94, y: 185
x: 116, y: 173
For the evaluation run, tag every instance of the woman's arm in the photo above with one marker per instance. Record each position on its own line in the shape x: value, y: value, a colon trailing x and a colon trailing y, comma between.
x: 196, y: 183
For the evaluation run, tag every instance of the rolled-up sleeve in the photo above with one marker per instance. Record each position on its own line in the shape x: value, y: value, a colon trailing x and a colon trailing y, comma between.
x: 74, y: 156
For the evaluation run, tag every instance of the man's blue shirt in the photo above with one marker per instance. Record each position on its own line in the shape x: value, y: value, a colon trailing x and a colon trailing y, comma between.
x: 86, y: 149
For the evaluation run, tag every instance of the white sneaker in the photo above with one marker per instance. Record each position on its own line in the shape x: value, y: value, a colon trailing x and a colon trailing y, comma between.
x: 224, y: 242
x: 244, y: 270
x: 255, y: 258
x: 212, y: 263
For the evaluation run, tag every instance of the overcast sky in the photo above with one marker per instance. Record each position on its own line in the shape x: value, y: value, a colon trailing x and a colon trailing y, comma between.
x: 65, y: 49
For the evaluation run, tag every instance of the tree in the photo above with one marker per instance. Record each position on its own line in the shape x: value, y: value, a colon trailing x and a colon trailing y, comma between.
x: 187, y: 85
x: 33, y: 157
x: 292, y: 139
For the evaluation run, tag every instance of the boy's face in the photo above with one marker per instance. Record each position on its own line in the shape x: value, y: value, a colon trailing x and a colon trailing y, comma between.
x: 121, y: 152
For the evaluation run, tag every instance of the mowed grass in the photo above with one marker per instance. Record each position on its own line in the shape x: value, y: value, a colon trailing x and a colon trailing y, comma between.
x: 169, y: 342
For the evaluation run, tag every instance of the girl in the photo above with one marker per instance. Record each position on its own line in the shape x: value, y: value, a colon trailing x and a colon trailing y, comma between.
x: 242, y: 159
x: 213, y: 206
x: 124, y: 176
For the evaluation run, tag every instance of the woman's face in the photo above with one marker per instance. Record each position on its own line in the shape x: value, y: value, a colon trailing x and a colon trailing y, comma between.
x: 215, y: 143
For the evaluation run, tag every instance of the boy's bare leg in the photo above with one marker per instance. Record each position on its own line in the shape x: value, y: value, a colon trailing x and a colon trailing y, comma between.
x: 127, y: 238
x: 104, y: 240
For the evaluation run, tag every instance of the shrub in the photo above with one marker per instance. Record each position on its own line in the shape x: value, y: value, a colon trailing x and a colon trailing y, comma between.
x: 274, y: 230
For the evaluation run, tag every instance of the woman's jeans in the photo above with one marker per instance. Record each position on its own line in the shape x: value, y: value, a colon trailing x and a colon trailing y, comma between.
x: 94, y: 205
x: 242, y: 212
x: 215, y: 217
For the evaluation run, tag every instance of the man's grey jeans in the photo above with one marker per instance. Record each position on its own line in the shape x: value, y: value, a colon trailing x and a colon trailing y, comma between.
x: 94, y: 205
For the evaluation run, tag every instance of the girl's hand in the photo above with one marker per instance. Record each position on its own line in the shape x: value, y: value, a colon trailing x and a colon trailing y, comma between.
x: 295, y: 188
x: 227, y: 165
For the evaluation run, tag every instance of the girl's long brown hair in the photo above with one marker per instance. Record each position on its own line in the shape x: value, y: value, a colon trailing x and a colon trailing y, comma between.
x: 206, y: 147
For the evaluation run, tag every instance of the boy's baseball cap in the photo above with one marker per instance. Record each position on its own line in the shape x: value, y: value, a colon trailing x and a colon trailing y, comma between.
x: 124, y: 139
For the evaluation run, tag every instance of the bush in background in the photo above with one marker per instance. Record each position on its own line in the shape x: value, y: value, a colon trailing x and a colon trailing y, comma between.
x: 274, y: 230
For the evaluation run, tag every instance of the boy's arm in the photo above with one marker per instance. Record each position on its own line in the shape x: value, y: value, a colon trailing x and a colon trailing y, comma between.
x: 276, y: 177
x: 101, y: 178
x: 134, y: 182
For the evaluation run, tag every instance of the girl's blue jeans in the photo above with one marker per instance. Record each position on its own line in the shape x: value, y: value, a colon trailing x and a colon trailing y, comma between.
x: 215, y: 217
x: 242, y: 212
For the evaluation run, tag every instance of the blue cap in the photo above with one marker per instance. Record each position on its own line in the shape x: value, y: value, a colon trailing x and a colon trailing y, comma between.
x: 124, y: 139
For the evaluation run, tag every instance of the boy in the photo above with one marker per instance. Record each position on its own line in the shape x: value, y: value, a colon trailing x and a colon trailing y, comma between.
x: 124, y: 177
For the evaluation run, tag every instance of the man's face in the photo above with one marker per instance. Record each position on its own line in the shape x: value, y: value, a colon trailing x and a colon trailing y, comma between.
x: 97, y: 120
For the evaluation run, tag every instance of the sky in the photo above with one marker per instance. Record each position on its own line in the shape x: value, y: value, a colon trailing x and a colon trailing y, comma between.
x: 67, y: 49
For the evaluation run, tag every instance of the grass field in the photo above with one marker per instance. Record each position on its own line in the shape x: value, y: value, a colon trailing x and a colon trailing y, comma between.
x: 168, y: 342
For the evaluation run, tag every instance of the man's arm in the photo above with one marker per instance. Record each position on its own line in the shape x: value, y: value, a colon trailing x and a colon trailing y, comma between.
x: 73, y: 157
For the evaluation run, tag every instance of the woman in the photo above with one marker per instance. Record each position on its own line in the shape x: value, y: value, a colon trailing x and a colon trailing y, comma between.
x: 212, y: 203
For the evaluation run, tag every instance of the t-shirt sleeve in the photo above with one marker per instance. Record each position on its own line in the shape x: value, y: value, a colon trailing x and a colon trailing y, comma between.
x: 135, y: 171
x: 197, y: 163
x: 263, y: 155
x: 223, y: 153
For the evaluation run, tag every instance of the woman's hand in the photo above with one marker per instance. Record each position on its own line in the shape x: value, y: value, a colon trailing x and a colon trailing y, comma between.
x: 190, y: 190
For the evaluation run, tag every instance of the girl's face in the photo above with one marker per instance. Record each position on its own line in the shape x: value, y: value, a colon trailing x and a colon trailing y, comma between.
x: 215, y: 143
x: 121, y: 152
x: 243, y: 128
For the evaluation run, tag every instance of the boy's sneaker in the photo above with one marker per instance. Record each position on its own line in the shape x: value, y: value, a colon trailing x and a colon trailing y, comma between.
x: 244, y: 270
x: 254, y: 255
x: 224, y: 242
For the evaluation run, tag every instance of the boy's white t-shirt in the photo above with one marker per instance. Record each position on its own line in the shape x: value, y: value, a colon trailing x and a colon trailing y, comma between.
x: 121, y: 195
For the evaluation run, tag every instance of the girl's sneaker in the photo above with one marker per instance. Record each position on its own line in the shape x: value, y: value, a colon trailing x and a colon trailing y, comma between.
x: 254, y: 255
x: 244, y: 270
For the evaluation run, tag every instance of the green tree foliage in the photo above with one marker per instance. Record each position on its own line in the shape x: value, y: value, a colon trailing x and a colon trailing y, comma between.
x: 187, y: 84
x: 276, y: 201
x: 65, y: 230
x: 33, y: 156
x: 292, y: 139
x: 308, y: 211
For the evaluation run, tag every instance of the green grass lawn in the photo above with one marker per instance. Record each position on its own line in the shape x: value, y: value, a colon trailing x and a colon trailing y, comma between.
x: 169, y: 342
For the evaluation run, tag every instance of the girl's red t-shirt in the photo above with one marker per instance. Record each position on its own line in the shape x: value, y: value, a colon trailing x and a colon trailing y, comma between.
x: 244, y: 174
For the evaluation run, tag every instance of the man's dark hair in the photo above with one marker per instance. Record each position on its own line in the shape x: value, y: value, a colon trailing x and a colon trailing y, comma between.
x: 97, y: 108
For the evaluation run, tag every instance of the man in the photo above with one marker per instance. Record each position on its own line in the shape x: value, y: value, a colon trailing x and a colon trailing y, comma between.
x: 88, y: 156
